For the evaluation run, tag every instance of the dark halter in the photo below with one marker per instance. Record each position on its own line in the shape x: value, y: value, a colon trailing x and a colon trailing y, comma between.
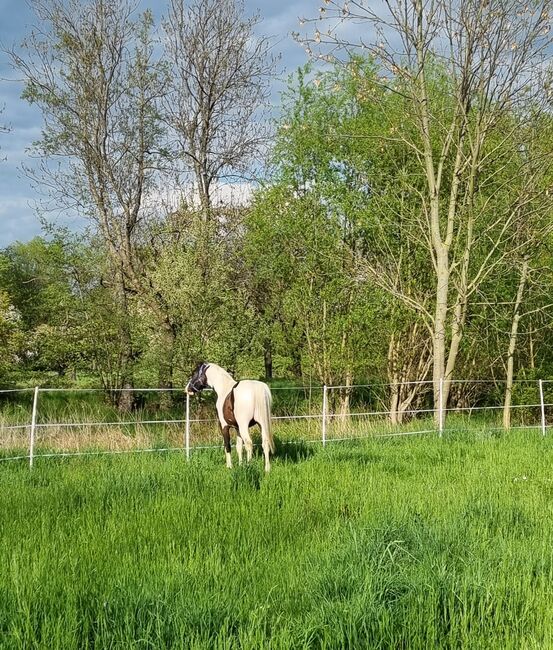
x: 194, y: 386
x: 195, y: 389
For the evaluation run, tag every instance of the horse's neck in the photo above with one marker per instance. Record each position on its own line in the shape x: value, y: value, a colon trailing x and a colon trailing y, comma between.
x: 221, y: 381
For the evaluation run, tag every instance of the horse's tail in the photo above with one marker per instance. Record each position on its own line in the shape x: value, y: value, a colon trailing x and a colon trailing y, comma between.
x: 265, y: 419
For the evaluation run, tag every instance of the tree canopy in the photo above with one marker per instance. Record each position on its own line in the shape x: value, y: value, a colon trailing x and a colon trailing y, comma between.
x: 401, y: 229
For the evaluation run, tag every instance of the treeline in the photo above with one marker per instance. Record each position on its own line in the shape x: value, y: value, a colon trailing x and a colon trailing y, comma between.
x: 401, y: 230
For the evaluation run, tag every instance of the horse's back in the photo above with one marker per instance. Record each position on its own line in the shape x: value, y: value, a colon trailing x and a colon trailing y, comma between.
x: 252, y: 385
x: 250, y: 396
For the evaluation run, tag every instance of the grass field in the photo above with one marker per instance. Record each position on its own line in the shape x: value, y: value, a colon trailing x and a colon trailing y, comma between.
x: 393, y: 543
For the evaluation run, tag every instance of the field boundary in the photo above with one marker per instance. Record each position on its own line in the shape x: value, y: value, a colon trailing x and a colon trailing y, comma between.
x: 327, y: 424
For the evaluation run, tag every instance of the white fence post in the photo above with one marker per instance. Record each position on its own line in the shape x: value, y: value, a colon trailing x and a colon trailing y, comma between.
x: 542, y: 404
x: 33, y: 427
x: 187, y: 428
x: 325, y: 389
x: 441, y: 408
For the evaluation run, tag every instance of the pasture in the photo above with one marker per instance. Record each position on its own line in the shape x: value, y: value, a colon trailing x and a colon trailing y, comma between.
x: 409, y: 542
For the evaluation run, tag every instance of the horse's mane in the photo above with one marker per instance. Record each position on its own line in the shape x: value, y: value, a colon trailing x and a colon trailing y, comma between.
x: 220, y: 370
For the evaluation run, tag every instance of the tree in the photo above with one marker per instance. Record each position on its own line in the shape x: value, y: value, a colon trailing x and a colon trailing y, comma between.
x: 219, y: 89
x: 215, y: 111
x: 11, y: 335
x: 91, y: 72
x: 46, y: 305
x: 325, y: 155
x: 195, y: 271
x: 35, y: 276
x: 488, y: 60
x: 303, y: 244
x: 305, y: 293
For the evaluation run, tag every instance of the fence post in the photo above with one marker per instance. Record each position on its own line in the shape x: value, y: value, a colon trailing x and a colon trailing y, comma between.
x: 325, y: 389
x: 33, y: 427
x: 187, y: 427
x: 542, y: 403
x: 441, y: 408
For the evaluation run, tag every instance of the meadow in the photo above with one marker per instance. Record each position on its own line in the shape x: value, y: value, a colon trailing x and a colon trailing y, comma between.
x: 386, y: 543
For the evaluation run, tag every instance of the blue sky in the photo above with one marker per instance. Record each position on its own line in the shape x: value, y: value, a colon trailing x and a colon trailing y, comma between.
x: 18, y: 218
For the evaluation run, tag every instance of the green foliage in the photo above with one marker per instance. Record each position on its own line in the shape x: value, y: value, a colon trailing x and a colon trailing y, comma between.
x: 11, y: 335
x: 328, y: 274
x: 34, y: 275
x: 304, y: 240
x: 56, y: 347
x: 197, y: 275
x: 58, y: 314
x: 349, y: 188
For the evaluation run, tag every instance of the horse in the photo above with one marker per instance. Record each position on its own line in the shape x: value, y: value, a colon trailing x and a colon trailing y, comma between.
x: 241, y: 405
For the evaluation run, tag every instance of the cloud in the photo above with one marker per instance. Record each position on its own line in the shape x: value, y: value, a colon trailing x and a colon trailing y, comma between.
x: 18, y: 220
x: 223, y: 194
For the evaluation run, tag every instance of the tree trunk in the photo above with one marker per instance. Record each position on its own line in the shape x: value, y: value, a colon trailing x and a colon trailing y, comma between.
x: 512, y: 346
x: 268, y: 358
x: 458, y: 322
x: 296, y: 363
x: 394, y: 402
x: 409, y: 362
x: 439, y: 338
x: 532, y: 356
x: 345, y: 395
x: 126, y: 358
x: 126, y: 394
x: 392, y: 377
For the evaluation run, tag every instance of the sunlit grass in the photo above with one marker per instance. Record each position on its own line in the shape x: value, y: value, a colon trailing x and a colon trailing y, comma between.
x: 388, y: 543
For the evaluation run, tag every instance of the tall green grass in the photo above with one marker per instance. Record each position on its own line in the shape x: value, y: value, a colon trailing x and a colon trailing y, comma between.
x: 389, y: 543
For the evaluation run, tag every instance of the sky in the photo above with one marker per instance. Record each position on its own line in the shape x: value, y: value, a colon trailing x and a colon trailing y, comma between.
x: 18, y: 199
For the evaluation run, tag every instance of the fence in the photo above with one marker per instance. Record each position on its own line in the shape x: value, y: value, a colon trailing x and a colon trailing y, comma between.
x: 46, y: 422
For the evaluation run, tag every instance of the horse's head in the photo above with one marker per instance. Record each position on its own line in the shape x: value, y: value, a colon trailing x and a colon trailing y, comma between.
x: 198, y: 381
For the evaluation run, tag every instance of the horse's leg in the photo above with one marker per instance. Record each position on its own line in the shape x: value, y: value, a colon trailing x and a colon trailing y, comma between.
x: 244, y: 433
x: 239, y: 447
x: 226, y: 440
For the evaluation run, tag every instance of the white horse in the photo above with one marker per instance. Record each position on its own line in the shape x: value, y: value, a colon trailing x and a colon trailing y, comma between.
x: 240, y: 405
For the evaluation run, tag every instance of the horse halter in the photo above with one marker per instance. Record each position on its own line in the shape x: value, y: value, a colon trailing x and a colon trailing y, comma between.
x: 198, y: 384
